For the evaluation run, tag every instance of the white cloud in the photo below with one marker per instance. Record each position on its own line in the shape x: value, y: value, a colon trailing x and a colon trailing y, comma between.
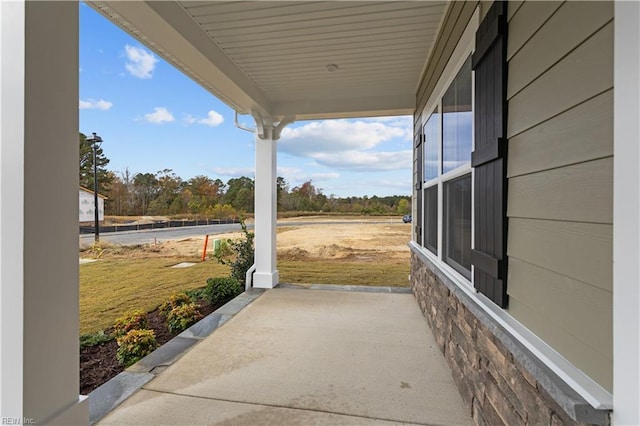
x: 295, y: 176
x: 235, y: 171
x: 159, y: 115
x: 380, y: 187
x: 350, y: 145
x: 213, y: 119
x: 188, y: 119
x: 93, y: 104
x: 359, y: 161
x: 336, y: 135
x: 140, y: 63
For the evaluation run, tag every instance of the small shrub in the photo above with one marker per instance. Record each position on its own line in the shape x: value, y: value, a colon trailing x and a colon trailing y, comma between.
x: 197, y: 294
x: 134, y: 345
x: 240, y: 257
x: 221, y: 289
x: 182, y: 317
x: 177, y: 299
x: 223, y: 249
x: 92, y: 339
x: 133, y: 320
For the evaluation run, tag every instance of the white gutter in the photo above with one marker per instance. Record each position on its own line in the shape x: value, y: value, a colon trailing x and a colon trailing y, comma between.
x: 241, y: 126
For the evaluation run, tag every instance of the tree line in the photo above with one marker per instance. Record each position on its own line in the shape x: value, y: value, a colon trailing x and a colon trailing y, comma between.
x: 167, y: 194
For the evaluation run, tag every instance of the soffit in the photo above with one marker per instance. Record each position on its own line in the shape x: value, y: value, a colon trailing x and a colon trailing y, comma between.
x: 273, y: 56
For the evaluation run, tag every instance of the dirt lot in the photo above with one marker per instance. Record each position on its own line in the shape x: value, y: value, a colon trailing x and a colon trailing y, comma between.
x: 355, y: 242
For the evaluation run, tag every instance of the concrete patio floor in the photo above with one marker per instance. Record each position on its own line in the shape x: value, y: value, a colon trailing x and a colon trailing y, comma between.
x: 302, y: 356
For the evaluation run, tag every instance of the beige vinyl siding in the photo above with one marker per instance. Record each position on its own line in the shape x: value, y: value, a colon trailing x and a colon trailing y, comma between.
x: 514, y: 6
x: 548, y: 292
x: 582, y: 74
x: 572, y: 348
x: 565, y: 139
x: 557, y: 39
x: 580, y: 192
x: 563, y: 246
x: 560, y: 170
x: 526, y: 20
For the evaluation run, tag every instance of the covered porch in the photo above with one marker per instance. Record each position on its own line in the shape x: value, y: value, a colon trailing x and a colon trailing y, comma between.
x: 277, y: 62
x: 299, y: 355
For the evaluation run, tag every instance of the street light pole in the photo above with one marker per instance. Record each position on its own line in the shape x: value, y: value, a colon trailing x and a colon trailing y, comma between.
x: 95, y: 142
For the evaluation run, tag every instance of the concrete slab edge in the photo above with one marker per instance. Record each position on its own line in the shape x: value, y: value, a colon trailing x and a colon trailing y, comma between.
x: 353, y: 288
x: 112, y: 393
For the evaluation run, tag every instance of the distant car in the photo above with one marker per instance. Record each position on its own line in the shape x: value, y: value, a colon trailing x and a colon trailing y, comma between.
x: 406, y: 218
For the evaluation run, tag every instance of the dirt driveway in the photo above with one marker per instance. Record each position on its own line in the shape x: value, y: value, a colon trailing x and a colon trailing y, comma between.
x: 359, y: 241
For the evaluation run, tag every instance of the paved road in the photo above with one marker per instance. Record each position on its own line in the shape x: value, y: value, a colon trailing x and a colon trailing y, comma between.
x: 165, y: 234
x: 168, y: 234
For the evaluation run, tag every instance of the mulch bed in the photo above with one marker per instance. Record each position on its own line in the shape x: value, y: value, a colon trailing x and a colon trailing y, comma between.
x: 98, y: 363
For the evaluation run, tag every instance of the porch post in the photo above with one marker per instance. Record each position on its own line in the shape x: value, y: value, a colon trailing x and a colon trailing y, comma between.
x: 266, y: 135
x: 626, y: 215
x: 38, y: 214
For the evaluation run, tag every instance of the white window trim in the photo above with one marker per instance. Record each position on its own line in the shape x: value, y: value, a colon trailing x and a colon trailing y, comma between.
x: 460, y: 54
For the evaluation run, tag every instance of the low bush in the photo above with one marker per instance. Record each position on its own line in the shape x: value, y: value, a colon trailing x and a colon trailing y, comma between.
x: 197, y: 294
x: 132, y: 320
x: 239, y: 255
x: 181, y: 317
x: 134, y: 345
x: 92, y: 339
x: 177, y: 299
x: 221, y: 289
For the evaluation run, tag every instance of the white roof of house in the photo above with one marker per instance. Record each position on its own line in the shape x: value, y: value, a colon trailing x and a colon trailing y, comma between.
x: 82, y: 188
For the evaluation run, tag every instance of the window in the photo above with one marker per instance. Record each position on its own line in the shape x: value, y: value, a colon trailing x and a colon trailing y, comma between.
x: 457, y: 121
x: 457, y: 228
x: 431, y: 167
x: 432, y: 140
x: 431, y: 218
x: 447, y: 184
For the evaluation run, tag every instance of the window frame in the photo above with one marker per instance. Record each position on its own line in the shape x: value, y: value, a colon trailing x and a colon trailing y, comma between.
x: 461, y: 54
x: 453, y: 263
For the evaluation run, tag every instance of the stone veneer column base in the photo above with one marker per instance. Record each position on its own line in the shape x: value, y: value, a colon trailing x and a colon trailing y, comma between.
x: 494, y: 385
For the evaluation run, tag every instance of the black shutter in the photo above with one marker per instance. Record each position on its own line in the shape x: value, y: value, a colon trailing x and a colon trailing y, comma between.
x: 489, y: 158
x: 417, y: 170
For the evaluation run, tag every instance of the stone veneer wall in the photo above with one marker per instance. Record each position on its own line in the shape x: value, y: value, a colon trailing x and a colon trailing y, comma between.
x: 494, y: 385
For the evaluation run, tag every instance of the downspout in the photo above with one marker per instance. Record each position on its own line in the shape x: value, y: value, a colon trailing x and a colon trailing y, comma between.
x: 248, y: 280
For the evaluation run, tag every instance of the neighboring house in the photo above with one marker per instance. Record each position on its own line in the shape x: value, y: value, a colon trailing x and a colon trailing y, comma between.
x: 526, y: 226
x: 87, y: 205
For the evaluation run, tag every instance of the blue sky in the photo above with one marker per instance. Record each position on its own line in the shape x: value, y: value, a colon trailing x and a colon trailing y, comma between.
x: 152, y: 117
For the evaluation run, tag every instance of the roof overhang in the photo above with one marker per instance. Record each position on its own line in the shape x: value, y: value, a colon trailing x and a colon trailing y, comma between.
x: 277, y: 57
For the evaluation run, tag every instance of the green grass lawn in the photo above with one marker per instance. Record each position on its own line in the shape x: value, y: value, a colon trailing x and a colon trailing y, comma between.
x: 111, y: 287
x: 351, y: 273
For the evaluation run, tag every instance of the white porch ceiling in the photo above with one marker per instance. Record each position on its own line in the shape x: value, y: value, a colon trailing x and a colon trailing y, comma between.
x: 273, y: 55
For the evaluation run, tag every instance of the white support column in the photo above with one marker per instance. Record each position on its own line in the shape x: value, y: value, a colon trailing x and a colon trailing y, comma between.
x: 38, y: 214
x: 266, y: 202
x: 266, y: 275
x: 626, y: 215
x: 12, y: 22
